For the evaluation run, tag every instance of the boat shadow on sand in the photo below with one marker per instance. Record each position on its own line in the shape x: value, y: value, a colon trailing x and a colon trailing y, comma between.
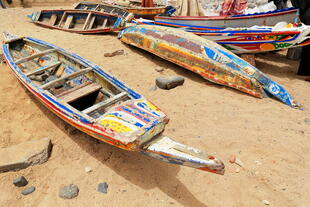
x: 140, y: 170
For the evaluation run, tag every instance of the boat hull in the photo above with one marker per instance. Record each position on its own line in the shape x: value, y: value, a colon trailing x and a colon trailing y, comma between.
x: 218, y: 22
x: 206, y: 58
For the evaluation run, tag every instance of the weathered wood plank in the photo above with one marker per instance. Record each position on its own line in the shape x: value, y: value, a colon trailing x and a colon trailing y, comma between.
x: 105, y: 21
x: 25, y: 59
x: 41, y: 69
x: 105, y: 103
x: 92, y: 21
x: 53, y: 19
x: 81, y: 92
x: 62, y: 19
x: 68, y: 22
x: 65, y: 78
x: 87, y: 21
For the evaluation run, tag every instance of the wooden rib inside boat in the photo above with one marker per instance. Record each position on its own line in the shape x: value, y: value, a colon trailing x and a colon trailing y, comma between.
x: 78, y: 21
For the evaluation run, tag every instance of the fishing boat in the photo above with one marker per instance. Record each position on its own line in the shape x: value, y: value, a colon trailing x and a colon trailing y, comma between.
x: 106, y: 8
x: 132, y: 7
x: 95, y: 102
x: 255, y: 39
x: 83, y: 22
x: 206, y: 58
x: 289, y: 15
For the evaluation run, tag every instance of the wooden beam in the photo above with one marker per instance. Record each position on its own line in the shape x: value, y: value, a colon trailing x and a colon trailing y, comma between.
x: 92, y: 21
x: 62, y: 19
x: 25, y: 59
x: 65, y: 78
x: 81, y: 92
x: 104, y: 23
x: 42, y: 69
x: 86, y: 21
x: 53, y: 19
x: 105, y: 103
x: 68, y: 22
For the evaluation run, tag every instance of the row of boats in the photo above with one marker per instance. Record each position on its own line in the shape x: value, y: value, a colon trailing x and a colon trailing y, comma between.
x: 94, y: 101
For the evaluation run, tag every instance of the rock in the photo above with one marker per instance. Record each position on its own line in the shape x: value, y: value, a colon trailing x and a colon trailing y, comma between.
x: 112, y: 54
x: 267, y: 203
x: 20, y: 181
x: 88, y: 169
x: 25, y: 154
x: 169, y: 82
x: 103, y: 188
x: 159, y: 69
x: 28, y: 190
x: 69, y: 191
x: 307, y: 120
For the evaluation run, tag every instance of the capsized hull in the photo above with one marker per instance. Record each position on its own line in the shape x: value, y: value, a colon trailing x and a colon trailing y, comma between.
x: 118, y: 115
x: 288, y: 15
x: 206, y: 58
x: 78, y: 21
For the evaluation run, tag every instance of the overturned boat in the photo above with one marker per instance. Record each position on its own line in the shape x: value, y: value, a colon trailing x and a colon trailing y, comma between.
x: 95, y: 102
x: 83, y: 22
x: 206, y: 58
x: 254, y: 39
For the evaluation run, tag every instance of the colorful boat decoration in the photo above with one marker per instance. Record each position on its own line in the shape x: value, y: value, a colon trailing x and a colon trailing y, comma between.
x: 289, y: 15
x: 255, y: 39
x: 93, y: 101
x: 77, y: 21
x: 206, y: 58
x: 106, y: 8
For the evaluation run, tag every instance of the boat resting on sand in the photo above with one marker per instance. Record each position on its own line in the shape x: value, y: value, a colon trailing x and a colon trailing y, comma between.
x: 206, y: 58
x: 288, y: 15
x: 77, y: 21
x: 93, y: 101
x: 255, y: 39
x: 106, y: 8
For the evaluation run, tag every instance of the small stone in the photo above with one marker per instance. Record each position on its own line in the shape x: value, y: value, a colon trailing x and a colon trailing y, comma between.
x: 169, y: 82
x: 20, y: 181
x: 307, y: 120
x: 267, y: 203
x: 237, y: 170
x: 28, y: 190
x: 69, y: 191
x: 112, y: 54
x: 88, y: 169
x: 103, y: 188
x: 159, y: 69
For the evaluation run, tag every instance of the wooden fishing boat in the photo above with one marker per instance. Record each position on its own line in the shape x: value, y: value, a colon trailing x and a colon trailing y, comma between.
x: 255, y: 39
x: 288, y: 15
x: 106, y: 8
x: 206, y: 58
x: 84, y: 22
x: 133, y: 6
x: 93, y: 101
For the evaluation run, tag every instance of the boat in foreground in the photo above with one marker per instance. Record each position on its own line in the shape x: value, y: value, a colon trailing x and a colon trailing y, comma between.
x: 77, y: 21
x: 206, y: 58
x: 255, y: 39
x: 93, y: 101
x: 288, y: 15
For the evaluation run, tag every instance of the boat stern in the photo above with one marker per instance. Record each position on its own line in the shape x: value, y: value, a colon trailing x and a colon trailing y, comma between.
x: 34, y: 16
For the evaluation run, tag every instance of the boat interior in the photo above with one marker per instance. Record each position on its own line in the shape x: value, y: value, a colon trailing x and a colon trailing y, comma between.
x: 76, y: 20
x: 67, y: 79
x: 102, y: 8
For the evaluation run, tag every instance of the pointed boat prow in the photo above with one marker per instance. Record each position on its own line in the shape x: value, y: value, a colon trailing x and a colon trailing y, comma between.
x: 167, y: 150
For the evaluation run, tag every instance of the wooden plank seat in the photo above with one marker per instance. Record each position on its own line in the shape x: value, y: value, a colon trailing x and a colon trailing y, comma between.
x: 68, y: 22
x: 66, y: 78
x: 105, y: 103
x: 42, y: 69
x: 53, y: 20
x: 78, y: 92
x: 39, y: 54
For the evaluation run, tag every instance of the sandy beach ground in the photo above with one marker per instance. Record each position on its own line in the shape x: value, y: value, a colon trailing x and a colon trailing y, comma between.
x: 270, y: 138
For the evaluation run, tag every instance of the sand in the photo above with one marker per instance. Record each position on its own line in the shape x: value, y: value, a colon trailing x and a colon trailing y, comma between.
x: 270, y: 138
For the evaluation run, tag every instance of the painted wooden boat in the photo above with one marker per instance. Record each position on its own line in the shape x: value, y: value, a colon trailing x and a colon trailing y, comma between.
x: 93, y: 101
x: 206, y: 58
x: 132, y: 6
x: 106, y: 8
x: 288, y: 15
x: 255, y: 39
x: 84, y: 22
